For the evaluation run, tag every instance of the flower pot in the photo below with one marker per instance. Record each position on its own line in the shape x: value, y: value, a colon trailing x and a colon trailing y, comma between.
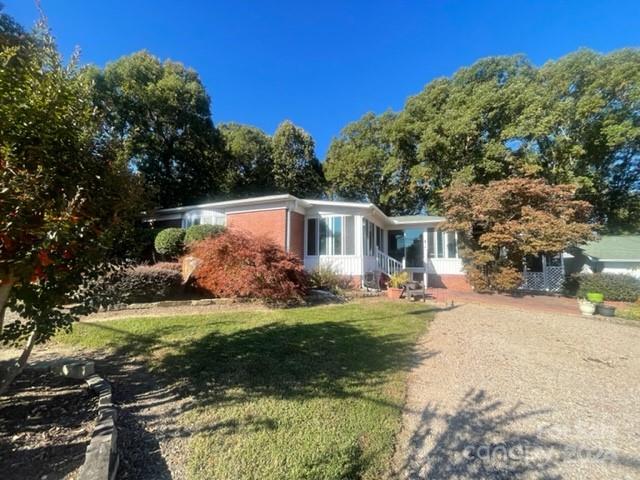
x: 394, y: 293
x: 606, y: 310
x: 586, y: 307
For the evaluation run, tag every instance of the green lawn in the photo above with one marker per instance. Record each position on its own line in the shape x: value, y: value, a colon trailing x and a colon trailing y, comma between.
x: 304, y: 393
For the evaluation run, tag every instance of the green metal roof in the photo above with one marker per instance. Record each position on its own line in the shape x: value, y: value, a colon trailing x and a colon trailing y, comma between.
x: 416, y: 218
x: 614, y: 247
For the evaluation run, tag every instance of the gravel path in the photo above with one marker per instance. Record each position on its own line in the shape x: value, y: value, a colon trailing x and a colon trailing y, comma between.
x: 505, y: 393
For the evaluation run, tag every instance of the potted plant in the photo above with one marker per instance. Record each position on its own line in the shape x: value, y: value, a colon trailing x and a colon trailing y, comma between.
x: 396, y: 282
x: 586, y: 307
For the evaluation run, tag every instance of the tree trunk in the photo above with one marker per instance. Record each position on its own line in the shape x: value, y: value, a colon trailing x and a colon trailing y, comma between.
x: 5, y: 289
x: 18, y: 367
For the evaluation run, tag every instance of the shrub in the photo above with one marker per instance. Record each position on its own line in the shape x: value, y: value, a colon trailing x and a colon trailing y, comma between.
x: 398, y: 279
x: 613, y: 286
x: 195, y: 233
x: 142, y: 283
x: 174, y: 266
x: 631, y: 313
x: 236, y: 265
x: 324, y: 277
x: 170, y: 242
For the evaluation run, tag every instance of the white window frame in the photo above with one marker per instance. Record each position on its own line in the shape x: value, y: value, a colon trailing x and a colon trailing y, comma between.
x: 330, y: 245
x: 204, y: 217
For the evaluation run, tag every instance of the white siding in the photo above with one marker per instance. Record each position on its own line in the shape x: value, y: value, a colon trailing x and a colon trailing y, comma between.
x: 629, y: 268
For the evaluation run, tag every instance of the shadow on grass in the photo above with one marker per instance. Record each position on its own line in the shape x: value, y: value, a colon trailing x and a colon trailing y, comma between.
x: 326, y: 359
x: 483, y: 438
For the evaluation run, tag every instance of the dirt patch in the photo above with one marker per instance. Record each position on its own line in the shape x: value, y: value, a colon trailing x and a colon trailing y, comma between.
x: 45, y: 426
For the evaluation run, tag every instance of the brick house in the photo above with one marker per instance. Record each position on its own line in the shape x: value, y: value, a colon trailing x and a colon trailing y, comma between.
x: 355, y: 239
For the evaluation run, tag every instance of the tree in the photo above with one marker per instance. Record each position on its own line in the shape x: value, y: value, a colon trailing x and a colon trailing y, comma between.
x: 250, y: 159
x: 296, y: 170
x: 364, y: 164
x: 501, y: 223
x: 64, y: 202
x: 158, y: 117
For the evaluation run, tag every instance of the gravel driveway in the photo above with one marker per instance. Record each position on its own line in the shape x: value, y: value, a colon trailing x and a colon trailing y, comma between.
x: 505, y: 393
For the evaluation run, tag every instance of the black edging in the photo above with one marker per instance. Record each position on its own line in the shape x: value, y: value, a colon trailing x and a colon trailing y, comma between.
x: 101, y: 460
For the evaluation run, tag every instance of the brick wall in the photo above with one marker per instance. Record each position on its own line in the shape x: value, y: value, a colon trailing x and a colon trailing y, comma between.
x: 451, y: 282
x: 266, y: 223
x: 297, y: 234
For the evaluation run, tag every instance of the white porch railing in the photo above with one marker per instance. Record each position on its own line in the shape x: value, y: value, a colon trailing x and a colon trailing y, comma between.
x: 387, y: 264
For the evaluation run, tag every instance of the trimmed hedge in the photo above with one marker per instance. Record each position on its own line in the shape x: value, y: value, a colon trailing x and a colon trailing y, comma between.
x: 143, y: 283
x: 614, y: 286
x: 196, y: 233
x: 170, y: 242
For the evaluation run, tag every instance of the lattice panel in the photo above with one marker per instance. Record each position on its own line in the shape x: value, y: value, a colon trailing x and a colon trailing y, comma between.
x: 550, y: 280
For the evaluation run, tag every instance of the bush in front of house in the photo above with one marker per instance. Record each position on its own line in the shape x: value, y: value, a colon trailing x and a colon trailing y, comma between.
x: 324, y: 277
x: 614, y: 286
x: 170, y: 242
x: 142, y: 283
x: 196, y: 233
x: 242, y: 266
x: 630, y: 313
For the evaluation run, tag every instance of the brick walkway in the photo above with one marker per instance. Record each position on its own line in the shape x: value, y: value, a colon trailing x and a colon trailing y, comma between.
x: 541, y: 303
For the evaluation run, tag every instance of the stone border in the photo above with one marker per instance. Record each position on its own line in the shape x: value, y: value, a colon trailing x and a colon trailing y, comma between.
x: 101, y: 459
x: 176, y: 303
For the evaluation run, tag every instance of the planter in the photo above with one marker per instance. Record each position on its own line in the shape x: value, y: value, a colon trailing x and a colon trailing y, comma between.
x: 394, y: 293
x: 586, y: 307
x: 606, y: 310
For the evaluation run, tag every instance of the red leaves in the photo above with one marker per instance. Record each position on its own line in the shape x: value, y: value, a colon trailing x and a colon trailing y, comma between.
x: 240, y: 265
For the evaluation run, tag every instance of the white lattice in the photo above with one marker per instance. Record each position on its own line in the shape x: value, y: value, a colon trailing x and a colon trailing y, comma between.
x: 550, y: 280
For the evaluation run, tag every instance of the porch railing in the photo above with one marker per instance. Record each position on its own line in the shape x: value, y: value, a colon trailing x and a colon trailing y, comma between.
x: 387, y: 264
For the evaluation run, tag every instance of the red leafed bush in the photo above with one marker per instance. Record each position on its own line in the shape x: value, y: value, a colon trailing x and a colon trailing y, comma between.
x: 238, y: 265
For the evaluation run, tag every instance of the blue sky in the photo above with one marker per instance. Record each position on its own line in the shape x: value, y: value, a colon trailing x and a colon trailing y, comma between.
x: 325, y: 63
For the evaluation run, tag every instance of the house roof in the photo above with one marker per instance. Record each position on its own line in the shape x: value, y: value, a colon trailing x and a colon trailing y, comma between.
x: 407, y: 219
x: 399, y: 220
x: 614, y: 247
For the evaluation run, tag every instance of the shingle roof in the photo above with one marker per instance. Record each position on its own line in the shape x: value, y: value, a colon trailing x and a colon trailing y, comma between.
x: 614, y: 247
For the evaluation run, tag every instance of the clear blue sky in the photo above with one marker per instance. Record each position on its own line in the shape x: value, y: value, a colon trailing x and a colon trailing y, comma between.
x: 325, y: 63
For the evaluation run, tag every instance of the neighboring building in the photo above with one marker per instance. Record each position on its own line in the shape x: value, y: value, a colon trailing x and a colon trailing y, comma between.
x: 608, y: 254
x: 356, y: 239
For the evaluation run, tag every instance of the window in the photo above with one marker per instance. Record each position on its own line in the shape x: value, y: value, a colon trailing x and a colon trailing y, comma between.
x: 349, y: 236
x: 333, y: 235
x: 452, y: 245
x: 430, y: 242
x: 336, y: 234
x: 414, y: 250
x: 440, y: 244
x: 203, y: 217
x: 312, y: 236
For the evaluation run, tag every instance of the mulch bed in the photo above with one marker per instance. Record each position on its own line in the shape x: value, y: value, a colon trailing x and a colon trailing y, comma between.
x: 45, y: 426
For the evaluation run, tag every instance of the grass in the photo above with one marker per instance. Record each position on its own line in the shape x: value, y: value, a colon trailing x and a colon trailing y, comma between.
x: 632, y: 312
x: 305, y: 393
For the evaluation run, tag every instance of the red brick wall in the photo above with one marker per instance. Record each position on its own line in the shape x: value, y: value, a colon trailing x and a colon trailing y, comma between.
x: 267, y: 223
x: 452, y: 282
x: 297, y: 234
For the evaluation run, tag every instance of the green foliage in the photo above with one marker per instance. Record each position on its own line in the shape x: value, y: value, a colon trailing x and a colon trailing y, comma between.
x: 614, y: 287
x: 630, y: 313
x: 324, y: 277
x: 363, y: 163
x: 64, y: 202
x: 195, y: 233
x: 170, y: 242
x: 571, y: 121
x: 250, y: 160
x: 296, y: 170
x: 502, y: 223
x: 138, y: 284
x: 398, y: 279
x: 158, y: 120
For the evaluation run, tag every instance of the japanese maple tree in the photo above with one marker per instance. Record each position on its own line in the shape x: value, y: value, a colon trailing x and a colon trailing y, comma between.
x: 500, y: 223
